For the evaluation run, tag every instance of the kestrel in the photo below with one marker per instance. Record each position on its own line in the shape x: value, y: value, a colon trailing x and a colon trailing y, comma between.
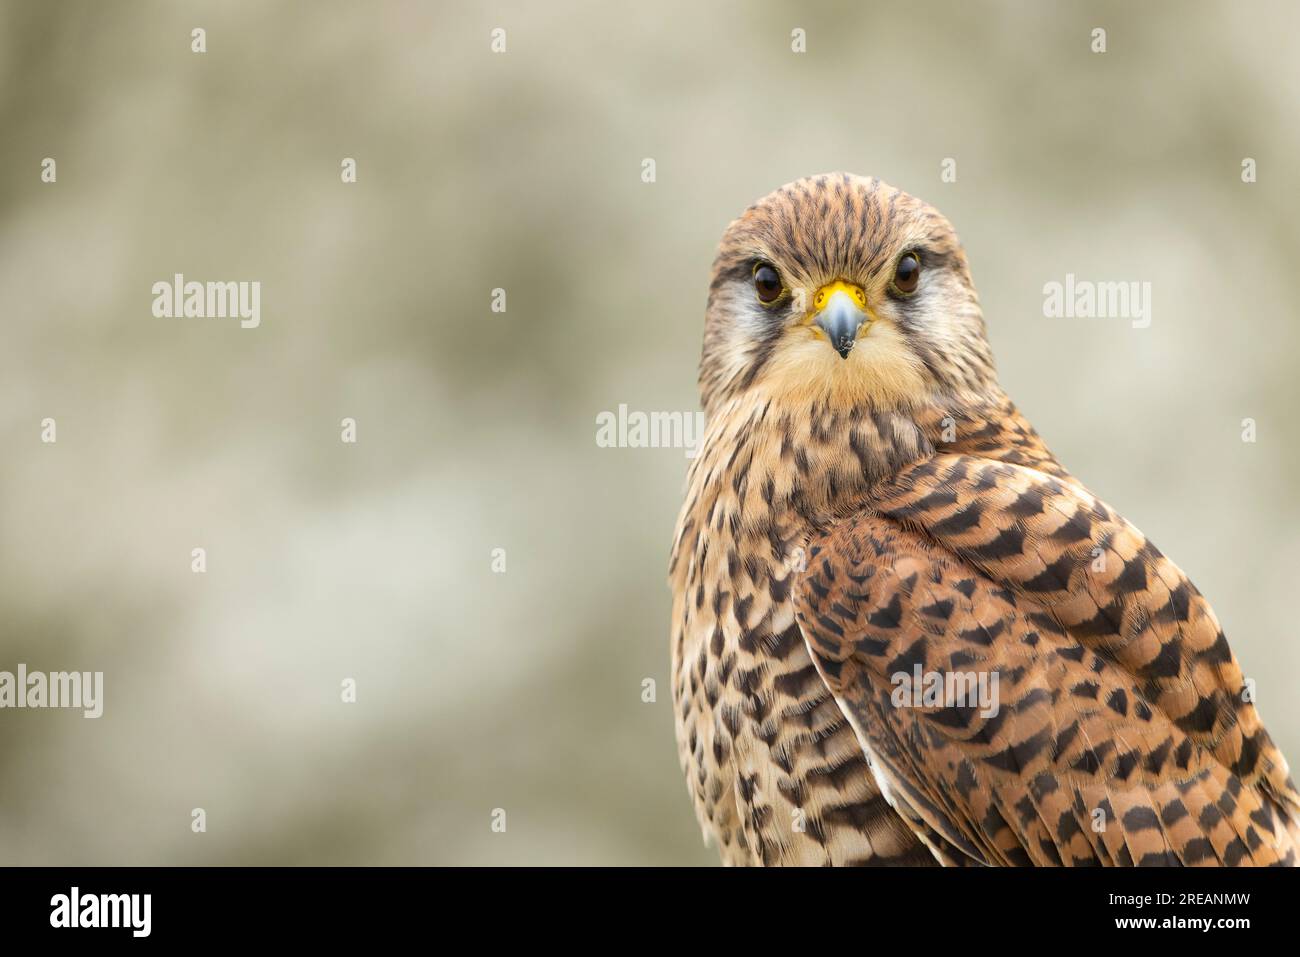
x: 869, y: 523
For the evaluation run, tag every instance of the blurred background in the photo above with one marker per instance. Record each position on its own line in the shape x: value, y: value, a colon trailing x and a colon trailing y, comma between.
x: 522, y: 690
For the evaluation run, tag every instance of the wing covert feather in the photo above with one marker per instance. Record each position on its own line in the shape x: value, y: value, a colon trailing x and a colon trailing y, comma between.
x: 1089, y: 757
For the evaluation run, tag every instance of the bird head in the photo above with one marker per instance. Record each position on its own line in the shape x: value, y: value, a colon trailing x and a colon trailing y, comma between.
x: 847, y: 291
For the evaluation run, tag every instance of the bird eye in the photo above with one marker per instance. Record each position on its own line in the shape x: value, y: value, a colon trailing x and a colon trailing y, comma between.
x: 767, y: 283
x: 907, y: 274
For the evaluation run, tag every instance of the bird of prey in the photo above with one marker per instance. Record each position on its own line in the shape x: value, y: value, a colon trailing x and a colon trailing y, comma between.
x: 868, y: 513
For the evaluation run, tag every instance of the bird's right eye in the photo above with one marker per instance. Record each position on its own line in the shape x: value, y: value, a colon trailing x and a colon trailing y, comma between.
x: 767, y: 283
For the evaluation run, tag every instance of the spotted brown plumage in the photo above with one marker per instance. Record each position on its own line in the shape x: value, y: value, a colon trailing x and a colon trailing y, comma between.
x: 867, y: 502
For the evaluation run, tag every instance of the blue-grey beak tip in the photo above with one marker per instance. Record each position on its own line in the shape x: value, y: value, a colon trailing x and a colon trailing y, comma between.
x: 841, y: 320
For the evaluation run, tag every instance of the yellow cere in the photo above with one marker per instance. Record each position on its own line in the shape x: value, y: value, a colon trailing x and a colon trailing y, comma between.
x: 825, y: 292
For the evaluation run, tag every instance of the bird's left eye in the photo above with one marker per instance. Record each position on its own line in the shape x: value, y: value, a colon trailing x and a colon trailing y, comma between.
x: 767, y: 283
x: 907, y: 273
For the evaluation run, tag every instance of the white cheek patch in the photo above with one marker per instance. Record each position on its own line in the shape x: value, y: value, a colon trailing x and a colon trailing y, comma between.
x: 752, y: 320
x: 750, y: 324
x: 737, y: 335
x: 933, y: 317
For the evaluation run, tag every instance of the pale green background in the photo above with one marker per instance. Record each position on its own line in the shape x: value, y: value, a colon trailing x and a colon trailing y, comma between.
x: 522, y: 690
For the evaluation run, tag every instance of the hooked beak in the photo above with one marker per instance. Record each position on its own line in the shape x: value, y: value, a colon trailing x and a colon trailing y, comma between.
x: 840, y: 311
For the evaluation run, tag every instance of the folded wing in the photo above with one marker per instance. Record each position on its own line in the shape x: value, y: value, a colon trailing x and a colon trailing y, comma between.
x: 1035, y: 683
